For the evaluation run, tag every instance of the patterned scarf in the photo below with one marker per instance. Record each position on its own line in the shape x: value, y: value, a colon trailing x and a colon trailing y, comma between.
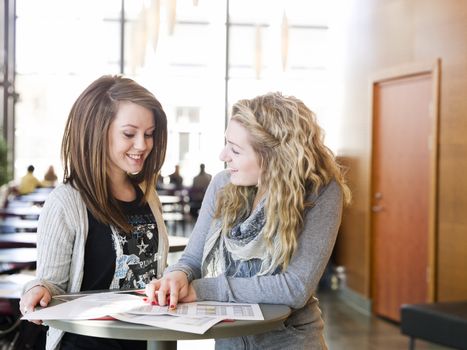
x: 242, y: 252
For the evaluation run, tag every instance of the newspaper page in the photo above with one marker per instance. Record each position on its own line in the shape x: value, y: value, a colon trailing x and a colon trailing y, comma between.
x: 233, y: 311
x: 196, y: 317
x: 88, y: 307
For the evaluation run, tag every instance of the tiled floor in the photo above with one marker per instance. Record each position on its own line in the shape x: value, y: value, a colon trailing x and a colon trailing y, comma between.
x: 346, y: 329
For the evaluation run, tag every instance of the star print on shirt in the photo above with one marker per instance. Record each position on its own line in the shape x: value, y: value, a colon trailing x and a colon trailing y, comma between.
x: 123, y: 240
x: 141, y: 242
x: 142, y: 247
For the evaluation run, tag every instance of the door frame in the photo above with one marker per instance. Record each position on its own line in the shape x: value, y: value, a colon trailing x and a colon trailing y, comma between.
x: 395, y: 73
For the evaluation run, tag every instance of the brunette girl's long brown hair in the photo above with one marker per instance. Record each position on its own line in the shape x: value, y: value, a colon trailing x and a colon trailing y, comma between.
x: 85, y: 145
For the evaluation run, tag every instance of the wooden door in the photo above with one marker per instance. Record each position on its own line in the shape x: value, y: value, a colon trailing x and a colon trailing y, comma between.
x: 402, y: 192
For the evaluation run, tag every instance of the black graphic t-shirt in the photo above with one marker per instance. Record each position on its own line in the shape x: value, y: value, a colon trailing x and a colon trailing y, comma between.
x: 122, y: 261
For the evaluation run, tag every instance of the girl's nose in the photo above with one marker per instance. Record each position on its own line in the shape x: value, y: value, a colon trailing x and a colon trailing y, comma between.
x: 223, y: 155
x: 140, y: 143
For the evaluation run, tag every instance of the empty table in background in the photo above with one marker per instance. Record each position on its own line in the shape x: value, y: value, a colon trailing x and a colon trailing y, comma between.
x: 43, y: 189
x: 37, y: 198
x: 18, y: 240
x: 177, y: 244
x: 168, y: 199
x: 172, y: 204
x: 11, y: 225
x: 11, y: 286
x: 23, y: 212
x: 12, y: 259
x: 18, y: 255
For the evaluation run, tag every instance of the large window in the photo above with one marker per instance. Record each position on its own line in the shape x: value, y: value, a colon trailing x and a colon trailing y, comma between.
x: 177, y: 49
x: 61, y: 46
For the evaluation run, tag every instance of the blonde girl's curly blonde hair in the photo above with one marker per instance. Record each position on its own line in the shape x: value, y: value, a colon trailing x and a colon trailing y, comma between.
x: 294, y: 163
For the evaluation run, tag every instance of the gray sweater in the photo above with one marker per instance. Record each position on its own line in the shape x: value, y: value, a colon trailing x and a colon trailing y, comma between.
x: 61, y: 240
x: 293, y: 287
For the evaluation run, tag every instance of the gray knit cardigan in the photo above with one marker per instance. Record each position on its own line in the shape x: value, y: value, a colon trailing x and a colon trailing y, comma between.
x: 61, y: 240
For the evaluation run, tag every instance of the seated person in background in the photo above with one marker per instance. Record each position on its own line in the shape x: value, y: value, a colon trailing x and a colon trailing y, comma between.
x: 50, y: 178
x: 198, y: 189
x: 176, y: 178
x: 28, y: 182
x: 160, y: 182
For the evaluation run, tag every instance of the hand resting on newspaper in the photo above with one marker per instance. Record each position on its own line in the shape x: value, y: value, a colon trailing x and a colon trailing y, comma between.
x: 34, y: 296
x: 173, y: 286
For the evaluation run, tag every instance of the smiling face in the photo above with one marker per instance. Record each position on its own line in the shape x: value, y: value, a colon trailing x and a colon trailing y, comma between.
x: 241, y: 159
x: 130, y: 139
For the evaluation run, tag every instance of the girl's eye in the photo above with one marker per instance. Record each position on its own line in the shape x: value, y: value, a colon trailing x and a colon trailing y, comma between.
x: 128, y: 135
x: 149, y: 136
x: 235, y: 152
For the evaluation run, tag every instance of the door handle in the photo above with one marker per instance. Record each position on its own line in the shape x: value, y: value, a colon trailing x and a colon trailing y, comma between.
x: 377, y: 208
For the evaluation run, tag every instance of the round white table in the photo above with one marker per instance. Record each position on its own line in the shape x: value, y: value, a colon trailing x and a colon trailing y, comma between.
x: 165, y: 339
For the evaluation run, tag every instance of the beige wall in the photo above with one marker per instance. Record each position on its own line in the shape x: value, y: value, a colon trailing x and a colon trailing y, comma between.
x: 382, y: 34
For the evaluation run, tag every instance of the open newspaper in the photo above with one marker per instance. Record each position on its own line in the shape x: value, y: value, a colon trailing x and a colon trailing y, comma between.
x: 195, y: 317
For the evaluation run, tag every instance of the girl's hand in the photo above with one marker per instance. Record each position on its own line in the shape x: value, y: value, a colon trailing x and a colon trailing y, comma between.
x: 171, y: 288
x: 191, y: 296
x: 36, y: 295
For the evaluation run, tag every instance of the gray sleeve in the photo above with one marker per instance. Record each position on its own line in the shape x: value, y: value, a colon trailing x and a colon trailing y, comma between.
x: 296, y: 284
x: 55, y: 241
x: 190, y: 262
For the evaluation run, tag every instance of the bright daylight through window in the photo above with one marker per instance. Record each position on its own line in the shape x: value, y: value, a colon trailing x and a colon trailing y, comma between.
x: 180, y: 51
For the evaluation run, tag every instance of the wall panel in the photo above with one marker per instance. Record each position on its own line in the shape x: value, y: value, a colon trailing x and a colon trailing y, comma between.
x: 378, y: 35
